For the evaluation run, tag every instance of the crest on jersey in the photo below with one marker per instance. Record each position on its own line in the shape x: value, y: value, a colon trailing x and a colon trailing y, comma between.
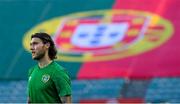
x: 45, y: 78
x: 105, y: 35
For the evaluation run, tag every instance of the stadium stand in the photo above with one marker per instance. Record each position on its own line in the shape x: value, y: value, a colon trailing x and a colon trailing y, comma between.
x: 157, y: 90
x: 163, y: 90
x: 132, y: 88
x: 15, y: 91
x: 96, y: 89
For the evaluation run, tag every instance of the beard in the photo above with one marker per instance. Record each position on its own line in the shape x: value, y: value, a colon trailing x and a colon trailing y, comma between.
x: 39, y: 56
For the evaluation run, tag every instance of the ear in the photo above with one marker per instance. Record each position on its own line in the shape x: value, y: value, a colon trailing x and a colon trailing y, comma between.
x: 47, y: 45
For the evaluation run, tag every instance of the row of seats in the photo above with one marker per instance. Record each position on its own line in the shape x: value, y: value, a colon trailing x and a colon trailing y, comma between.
x: 96, y: 89
x: 158, y: 90
x: 163, y: 90
x: 15, y: 91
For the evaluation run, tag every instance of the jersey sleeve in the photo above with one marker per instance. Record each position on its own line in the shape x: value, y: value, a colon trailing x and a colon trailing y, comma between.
x: 62, y: 82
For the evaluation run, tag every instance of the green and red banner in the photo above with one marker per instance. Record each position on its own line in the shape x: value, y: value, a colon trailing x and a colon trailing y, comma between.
x: 99, y: 39
x: 133, y: 39
x: 162, y: 60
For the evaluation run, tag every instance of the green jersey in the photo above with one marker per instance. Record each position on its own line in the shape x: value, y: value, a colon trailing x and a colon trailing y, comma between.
x: 48, y: 84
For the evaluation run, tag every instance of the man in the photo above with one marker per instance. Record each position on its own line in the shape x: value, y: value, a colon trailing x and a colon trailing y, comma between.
x: 48, y: 81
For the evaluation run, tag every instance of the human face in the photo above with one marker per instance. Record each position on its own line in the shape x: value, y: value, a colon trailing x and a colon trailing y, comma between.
x: 37, y: 48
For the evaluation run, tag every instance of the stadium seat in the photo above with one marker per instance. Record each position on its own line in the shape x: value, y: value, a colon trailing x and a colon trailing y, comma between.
x: 163, y: 90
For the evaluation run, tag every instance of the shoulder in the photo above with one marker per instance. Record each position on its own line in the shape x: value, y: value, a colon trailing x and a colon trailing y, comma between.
x: 58, y: 67
x: 59, y: 70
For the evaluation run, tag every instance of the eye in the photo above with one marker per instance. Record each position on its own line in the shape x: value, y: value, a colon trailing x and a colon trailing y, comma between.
x: 33, y: 43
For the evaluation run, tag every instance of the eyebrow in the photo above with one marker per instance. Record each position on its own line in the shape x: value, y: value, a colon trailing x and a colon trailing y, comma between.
x: 33, y: 43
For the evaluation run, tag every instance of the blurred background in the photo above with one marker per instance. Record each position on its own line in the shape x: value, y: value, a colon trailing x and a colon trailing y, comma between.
x: 115, y: 51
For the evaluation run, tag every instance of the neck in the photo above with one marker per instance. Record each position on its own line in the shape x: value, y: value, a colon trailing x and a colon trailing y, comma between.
x: 45, y: 61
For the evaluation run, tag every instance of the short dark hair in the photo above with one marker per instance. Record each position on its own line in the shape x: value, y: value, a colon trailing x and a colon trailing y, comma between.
x: 46, y: 38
